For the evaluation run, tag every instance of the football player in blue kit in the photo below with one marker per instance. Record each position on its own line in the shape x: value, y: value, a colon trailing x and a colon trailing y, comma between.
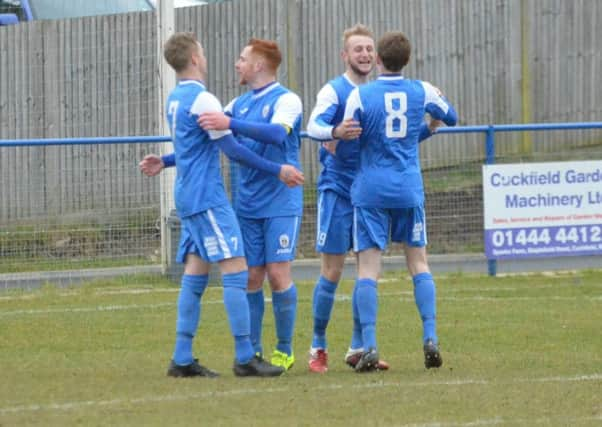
x: 210, y: 230
x: 387, y: 193
x: 267, y: 120
x: 339, y: 166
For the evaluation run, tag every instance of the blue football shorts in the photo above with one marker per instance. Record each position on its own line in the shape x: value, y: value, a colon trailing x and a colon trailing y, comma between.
x: 269, y: 240
x: 213, y: 235
x: 372, y: 227
x: 335, y: 223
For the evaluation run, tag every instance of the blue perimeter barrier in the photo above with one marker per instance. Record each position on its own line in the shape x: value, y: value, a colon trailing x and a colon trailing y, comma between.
x: 488, y: 130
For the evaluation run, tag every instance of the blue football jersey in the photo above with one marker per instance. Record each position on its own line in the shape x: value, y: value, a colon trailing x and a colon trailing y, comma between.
x: 198, y: 185
x: 390, y: 111
x: 339, y: 170
x: 259, y: 194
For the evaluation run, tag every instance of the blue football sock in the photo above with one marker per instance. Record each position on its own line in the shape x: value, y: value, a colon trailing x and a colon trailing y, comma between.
x: 284, y: 304
x: 367, y: 304
x: 188, y: 317
x: 323, y: 300
x: 256, y: 309
x: 356, y: 336
x: 237, y: 307
x: 425, y: 297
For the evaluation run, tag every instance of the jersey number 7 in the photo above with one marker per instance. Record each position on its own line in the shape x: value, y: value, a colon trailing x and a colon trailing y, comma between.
x: 171, y: 111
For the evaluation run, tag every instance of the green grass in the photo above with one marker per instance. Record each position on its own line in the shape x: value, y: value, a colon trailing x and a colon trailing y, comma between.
x: 27, y: 264
x: 518, y: 350
x: 28, y: 248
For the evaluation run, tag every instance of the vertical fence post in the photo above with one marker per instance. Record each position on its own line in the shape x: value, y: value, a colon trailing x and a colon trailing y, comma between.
x: 490, y: 159
x: 167, y: 79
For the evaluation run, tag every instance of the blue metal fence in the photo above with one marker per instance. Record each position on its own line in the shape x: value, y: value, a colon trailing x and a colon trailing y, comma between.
x: 488, y: 130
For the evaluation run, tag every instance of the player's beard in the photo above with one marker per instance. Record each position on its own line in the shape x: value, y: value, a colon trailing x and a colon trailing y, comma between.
x: 359, y: 71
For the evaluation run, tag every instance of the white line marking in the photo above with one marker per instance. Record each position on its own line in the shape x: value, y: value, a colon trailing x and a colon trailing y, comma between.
x: 138, y: 291
x: 66, y: 406
x: 134, y: 291
x: 342, y: 297
x: 560, y: 420
x: 99, y: 308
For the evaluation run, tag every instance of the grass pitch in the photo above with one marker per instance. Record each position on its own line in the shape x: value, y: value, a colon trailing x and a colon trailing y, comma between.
x: 517, y: 350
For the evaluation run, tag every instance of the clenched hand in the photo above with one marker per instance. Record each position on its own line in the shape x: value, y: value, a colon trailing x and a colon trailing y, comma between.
x: 151, y: 165
x: 291, y: 176
x: 214, y: 120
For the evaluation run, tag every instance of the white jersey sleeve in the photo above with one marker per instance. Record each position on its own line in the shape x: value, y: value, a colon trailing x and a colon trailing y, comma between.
x: 319, y: 125
x: 287, y: 110
x: 206, y: 102
x: 228, y: 108
x: 433, y: 96
x: 354, y: 103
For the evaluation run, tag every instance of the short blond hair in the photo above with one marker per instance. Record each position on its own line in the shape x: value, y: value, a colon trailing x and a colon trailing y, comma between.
x: 356, y: 30
x: 178, y: 49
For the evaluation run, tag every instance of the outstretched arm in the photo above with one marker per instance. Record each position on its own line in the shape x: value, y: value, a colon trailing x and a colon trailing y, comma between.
x: 239, y: 153
x: 152, y: 164
x: 287, y: 111
x: 268, y: 133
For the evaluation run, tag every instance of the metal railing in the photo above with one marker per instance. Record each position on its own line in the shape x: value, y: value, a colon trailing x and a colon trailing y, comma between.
x: 489, y: 131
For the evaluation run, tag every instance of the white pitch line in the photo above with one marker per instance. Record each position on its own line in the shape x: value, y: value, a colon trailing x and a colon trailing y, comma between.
x: 532, y: 298
x: 506, y: 421
x: 402, y: 294
x: 137, y: 291
x: 73, y: 405
x: 99, y: 308
x: 339, y: 295
x: 342, y: 297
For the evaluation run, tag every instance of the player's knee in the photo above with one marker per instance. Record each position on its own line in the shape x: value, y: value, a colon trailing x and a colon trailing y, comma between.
x: 195, y: 265
x: 279, y: 276
x: 332, y: 273
x: 256, y: 278
x: 418, y: 267
x: 332, y: 267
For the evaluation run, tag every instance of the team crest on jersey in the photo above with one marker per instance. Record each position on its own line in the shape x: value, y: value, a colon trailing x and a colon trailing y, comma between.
x: 284, y: 240
x: 265, y: 111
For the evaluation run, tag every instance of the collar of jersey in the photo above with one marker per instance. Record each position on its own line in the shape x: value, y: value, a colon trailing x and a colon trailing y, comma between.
x: 390, y: 77
x: 259, y: 92
x: 193, y: 82
x: 346, y: 77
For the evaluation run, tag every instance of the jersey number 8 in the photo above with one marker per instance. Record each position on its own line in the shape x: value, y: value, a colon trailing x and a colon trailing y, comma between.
x: 396, y: 105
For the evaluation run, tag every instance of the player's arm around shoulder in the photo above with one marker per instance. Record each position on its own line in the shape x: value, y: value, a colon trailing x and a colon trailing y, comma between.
x: 437, y: 105
x: 350, y: 128
x: 320, y: 124
x: 288, y: 111
x: 209, y: 104
x: 205, y: 102
x: 211, y: 116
